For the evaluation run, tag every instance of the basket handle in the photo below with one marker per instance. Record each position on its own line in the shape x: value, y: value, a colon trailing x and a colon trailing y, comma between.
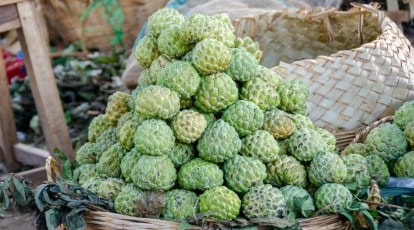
x: 52, y: 168
x: 363, y: 133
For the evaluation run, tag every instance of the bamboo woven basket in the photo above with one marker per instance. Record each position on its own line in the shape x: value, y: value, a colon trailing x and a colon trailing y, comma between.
x: 97, y: 218
x: 358, y: 65
x: 362, y: 135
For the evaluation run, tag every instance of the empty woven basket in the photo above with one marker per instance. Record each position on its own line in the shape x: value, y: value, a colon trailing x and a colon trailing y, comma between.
x: 358, y: 64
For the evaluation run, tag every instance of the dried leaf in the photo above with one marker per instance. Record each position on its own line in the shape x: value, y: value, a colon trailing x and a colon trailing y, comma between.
x: 151, y: 204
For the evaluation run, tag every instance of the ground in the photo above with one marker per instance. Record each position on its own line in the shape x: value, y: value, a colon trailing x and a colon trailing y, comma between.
x: 14, y: 220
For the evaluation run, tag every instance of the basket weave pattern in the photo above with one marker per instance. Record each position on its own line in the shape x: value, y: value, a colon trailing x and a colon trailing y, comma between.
x: 355, y: 84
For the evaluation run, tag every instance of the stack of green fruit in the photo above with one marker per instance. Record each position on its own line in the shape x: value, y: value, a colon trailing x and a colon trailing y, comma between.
x: 219, y: 133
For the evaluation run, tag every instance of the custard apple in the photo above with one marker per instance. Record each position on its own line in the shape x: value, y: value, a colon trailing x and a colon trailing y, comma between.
x: 377, y: 169
x: 157, y: 65
x: 261, y: 145
x: 241, y: 173
x: 127, y: 199
x: 110, y: 188
x: 220, y: 203
x: 404, y: 115
x: 278, y: 123
x: 243, y: 65
x: 327, y: 167
x: 88, y: 154
x: 154, y: 137
x: 357, y: 170
x: 220, y: 142
x: 261, y: 93
x: 245, y: 116
x: 198, y: 174
x: 92, y: 184
x: 333, y: 198
x: 286, y: 170
x: 128, y: 162
x: 156, y: 101
x: 171, y: 43
x: 293, y: 95
x: 270, y: 77
x: 180, y: 204
x: 146, y: 50
x: 250, y: 45
x: 298, y: 201
x: 181, y: 154
x: 356, y: 148
x: 263, y: 201
x: 162, y: 19
x: 154, y: 172
x: 188, y: 126
x: 117, y: 106
x: 126, y: 134
x: 186, y: 103
x: 305, y: 143
x: 123, y: 119
x: 409, y: 134
x: 85, y: 171
x: 405, y: 165
x: 328, y: 137
x: 145, y: 78
x: 98, y: 125
x: 211, y: 56
x: 108, y: 138
x: 301, y: 121
x: 110, y: 161
x: 216, y: 92
x: 389, y: 149
x: 181, y: 77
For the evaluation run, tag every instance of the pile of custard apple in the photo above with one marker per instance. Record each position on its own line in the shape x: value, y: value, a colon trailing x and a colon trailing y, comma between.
x: 224, y: 136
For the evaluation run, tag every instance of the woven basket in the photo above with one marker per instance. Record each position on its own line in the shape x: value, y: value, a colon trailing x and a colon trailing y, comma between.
x: 362, y: 135
x: 358, y: 64
x: 96, y: 32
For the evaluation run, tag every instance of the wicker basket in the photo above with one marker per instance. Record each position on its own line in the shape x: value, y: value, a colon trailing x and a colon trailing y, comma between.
x: 358, y: 65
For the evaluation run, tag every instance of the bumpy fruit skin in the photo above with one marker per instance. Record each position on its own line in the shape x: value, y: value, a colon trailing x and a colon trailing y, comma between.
x: 108, y: 138
x: 269, y: 76
x: 134, y: 95
x: 123, y: 119
x: 261, y: 145
x: 162, y: 19
x: 88, y: 154
x: 85, y: 172
x: 243, y: 65
x: 261, y: 93
x: 278, y: 123
x: 405, y: 165
x: 327, y: 167
x: 186, y: 103
x: 145, y: 78
x: 126, y: 134
x: 409, y: 134
x: 293, y: 95
x: 154, y: 172
x: 199, y: 27
x: 181, y: 77
x: 156, y: 101
x: 181, y: 154
x: 92, y: 184
x: 128, y: 163
x: 286, y: 170
x: 357, y: 169
x: 117, y: 106
x: 110, y: 161
x: 356, y: 148
x: 216, y: 93
x: 220, y: 203
x: 250, y: 45
x: 292, y: 193
x: 110, y: 188
x: 383, y: 145
x: 157, y: 66
x: 146, y: 50
x: 97, y: 126
x: 245, y: 116
x: 301, y: 121
x: 328, y: 137
x: 241, y: 173
x: 211, y: 56
x: 404, y: 115
x: 154, y: 137
x: 126, y: 201
x: 377, y: 169
x: 262, y: 201
x: 171, y: 43
x: 305, y: 143
x: 333, y: 198
x: 180, y: 204
x: 220, y: 142
x: 188, y: 126
x: 198, y: 174
x: 188, y: 57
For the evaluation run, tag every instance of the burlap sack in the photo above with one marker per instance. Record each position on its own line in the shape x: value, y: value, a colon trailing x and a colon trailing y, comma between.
x: 358, y: 64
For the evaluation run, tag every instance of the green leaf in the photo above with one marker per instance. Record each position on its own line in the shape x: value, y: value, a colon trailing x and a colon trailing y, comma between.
x: 348, y: 214
x: 60, y: 155
x: 75, y: 220
x: 5, y: 201
x: 372, y: 223
x: 359, y: 206
x: 286, y: 222
x: 38, y: 195
x: 19, y: 194
x: 68, y: 117
x: 184, y: 226
x: 67, y: 170
x: 54, y: 218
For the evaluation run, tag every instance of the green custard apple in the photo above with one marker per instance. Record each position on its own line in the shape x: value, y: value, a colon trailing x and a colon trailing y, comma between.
x: 128, y: 162
x: 327, y: 167
x: 211, y: 56
x: 180, y: 204
x: 278, y: 123
x: 404, y: 115
x: 146, y: 50
x: 333, y: 198
x: 198, y: 174
x: 220, y: 203
x: 377, y: 169
x: 405, y: 165
x: 306, y: 143
x: 127, y: 199
x: 154, y: 137
x: 110, y: 188
x: 163, y: 19
x: 245, y: 116
x: 261, y: 145
x: 188, y: 126
x: 156, y: 101
x: 286, y: 170
x: 261, y: 93
x: 110, y: 161
x: 298, y: 201
x: 243, y: 65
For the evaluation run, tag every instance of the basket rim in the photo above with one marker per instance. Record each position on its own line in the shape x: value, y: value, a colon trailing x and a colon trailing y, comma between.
x: 364, y: 132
